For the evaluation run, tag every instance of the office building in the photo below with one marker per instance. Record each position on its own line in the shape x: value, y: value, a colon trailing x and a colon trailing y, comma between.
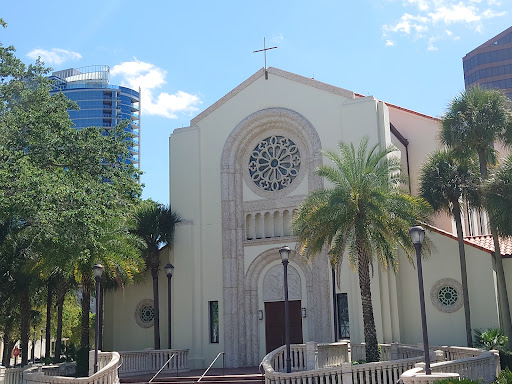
x: 101, y: 104
x: 490, y: 64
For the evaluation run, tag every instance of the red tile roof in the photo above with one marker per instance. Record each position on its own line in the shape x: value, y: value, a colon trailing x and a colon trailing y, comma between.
x: 484, y: 243
x: 487, y: 243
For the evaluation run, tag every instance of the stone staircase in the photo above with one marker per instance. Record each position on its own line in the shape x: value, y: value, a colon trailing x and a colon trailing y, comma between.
x: 216, y: 376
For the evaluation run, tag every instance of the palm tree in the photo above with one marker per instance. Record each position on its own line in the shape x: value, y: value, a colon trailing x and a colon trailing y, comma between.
x: 474, y: 122
x: 364, y: 212
x: 445, y: 183
x: 154, y: 224
x: 498, y: 197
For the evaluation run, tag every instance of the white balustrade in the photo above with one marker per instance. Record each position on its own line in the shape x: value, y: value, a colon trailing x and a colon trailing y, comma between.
x: 108, y: 362
x: 150, y: 361
x: 332, y: 365
x: 13, y: 375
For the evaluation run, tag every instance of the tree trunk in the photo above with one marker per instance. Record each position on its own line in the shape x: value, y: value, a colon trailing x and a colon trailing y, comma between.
x: 8, y: 344
x: 48, y: 319
x: 370, y: 334
x: 505, y: 319
x: 86, y: 308
x: 24, y: 324
x: 61, y: 294
x: 482, y: 160
x: 503, y: 303
x: 463, y: 272
x: 156, y: 322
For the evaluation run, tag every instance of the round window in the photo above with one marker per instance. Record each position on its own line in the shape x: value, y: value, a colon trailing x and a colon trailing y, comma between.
x: 274, y: 163
x: 145, y: 313
x: 446, y: 295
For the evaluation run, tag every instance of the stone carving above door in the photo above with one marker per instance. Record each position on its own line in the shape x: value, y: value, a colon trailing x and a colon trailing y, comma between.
x: 273, y: 284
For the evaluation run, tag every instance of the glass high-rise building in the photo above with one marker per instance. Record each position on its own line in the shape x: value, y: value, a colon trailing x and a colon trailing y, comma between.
x: 101, y: 104
x: 490, y: 64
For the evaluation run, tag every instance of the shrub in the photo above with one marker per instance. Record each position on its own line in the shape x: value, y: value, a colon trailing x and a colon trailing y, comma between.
x: 504, y: 377
x: 457, y: 381
x: 491, y: 338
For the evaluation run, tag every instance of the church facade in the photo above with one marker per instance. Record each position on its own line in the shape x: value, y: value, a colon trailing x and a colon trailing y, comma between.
x: 237, y: 175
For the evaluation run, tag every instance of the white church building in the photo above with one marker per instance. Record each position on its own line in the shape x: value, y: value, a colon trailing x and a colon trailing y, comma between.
x: 227, y: 287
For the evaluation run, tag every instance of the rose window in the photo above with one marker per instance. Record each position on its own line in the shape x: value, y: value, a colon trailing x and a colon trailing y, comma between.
x: 274, y: 163
x: 448, y: 295
x: 147, y: 314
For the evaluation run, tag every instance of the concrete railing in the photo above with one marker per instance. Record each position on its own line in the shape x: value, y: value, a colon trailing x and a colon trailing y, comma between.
x: 151, y: 360
x: 470, y: 363
x: 393, y: 351
x: 332, y: 364
x: 13, y: 375
x: 56, y: 374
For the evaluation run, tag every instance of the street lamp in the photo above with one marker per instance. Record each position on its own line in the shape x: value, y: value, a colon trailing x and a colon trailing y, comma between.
x: 97, y: 270
x: 285, y: 254
x: 418, y: 235
x: 169, y: 269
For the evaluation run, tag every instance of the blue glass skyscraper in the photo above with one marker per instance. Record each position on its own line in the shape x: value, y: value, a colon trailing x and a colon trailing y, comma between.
x: 101, y: 104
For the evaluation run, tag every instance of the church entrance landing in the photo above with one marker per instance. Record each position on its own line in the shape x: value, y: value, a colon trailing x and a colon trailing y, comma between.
x: 275, y: 325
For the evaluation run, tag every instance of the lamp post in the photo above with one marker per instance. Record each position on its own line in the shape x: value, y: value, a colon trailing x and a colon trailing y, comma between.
x: 418, y: 235
x: 169, y: 269
x: 97, y: 270
x: 285, y: 254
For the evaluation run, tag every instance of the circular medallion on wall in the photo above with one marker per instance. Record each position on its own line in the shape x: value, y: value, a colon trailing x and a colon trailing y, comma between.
x: 145, y: 313
x: 274, y: 163
x: 446, y: 295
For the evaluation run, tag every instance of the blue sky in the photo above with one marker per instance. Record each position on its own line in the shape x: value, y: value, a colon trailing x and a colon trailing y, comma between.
x: 186, y: 55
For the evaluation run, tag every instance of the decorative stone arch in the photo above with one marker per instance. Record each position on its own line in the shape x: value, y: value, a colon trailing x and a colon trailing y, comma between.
x: 238, y: 343
x: 251, y: 294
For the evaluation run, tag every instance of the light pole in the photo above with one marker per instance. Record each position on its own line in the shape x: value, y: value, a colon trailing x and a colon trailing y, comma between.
x: 97, y: 270
x: 418, y: 235
x: 285, y: 254
x: 169, y: 269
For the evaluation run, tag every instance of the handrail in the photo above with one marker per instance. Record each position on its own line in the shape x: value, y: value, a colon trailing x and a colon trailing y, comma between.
x: 213, y: 362
x: 163, y: 366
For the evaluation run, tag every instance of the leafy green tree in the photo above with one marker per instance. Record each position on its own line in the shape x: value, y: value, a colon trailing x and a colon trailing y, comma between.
x: 155, y: 224
x: 474, y: 122
x: 72, y: 190
x: 364, y: 213
x: 445, y: 183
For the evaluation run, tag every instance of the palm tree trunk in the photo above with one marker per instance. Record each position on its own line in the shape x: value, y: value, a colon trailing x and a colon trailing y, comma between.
x: 6, y: 356
x: 505, y: 318
x: 61, y: 294
x: 156, y: 322
x: 463, y: 272
x: 503, y: 303
x: 86, y: 308
x: 24, y: 324
x: 370, y: 334
x: 48, y: 319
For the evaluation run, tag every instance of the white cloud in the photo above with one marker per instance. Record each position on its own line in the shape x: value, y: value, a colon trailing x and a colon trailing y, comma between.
x: 55, y: 56
x: 390, y: 43
x: 150, y: 78
x: 433, y: 16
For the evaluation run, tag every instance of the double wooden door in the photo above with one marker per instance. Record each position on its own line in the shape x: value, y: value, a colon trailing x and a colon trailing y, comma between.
x: 275, y: 326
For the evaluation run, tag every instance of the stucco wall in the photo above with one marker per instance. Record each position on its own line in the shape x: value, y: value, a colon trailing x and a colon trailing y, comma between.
x: 446, y: 328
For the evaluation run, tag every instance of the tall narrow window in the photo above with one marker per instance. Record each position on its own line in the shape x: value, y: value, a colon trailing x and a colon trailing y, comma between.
x: 343, y: 324
x: 214, y: 321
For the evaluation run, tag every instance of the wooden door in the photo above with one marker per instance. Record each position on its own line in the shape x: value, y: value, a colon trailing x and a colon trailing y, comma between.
x: 275, y: 327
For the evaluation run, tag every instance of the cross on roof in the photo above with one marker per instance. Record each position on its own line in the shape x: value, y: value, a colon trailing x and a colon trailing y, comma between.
x: 264, y: 50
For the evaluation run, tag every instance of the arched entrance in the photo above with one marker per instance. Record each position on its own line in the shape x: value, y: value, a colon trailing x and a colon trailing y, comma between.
x: 273, y: 298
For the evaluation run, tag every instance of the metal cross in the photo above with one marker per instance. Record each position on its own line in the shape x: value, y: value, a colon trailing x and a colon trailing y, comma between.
x: 264, y: 50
